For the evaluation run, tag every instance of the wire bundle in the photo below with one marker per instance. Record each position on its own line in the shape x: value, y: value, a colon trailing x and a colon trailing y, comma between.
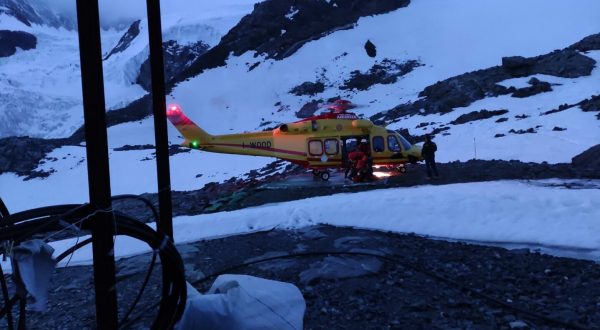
x: 51, y: 220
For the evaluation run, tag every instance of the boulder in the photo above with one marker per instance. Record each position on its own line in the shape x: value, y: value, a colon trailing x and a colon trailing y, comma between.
x: 11, y: 40
x: 589, y: 159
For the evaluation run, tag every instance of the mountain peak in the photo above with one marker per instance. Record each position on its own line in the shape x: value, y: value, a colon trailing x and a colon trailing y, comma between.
x: 35, y: 12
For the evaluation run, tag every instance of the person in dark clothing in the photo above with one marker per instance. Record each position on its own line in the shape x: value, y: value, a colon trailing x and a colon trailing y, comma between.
x: 428, y: 153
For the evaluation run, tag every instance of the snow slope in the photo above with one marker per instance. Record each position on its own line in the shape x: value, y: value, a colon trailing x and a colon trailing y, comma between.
x: 526, y: 213
x: 40, y: 89
x: 448, y: 38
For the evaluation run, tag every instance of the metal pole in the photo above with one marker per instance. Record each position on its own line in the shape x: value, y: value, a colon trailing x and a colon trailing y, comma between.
x: 160, y: 118
x: 103, y: 230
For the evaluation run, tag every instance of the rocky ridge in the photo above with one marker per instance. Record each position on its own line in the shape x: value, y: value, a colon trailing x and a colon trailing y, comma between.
x: 460, y: 91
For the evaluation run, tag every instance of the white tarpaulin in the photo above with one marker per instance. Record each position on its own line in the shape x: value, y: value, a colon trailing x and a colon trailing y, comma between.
x: 242, y: 302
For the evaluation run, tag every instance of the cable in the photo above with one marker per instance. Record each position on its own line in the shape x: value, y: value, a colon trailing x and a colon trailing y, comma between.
x: 141, y: 291
x: 7, y: 301
x: 3, y: 210
x: 413, y: 267
x: 55, y: 219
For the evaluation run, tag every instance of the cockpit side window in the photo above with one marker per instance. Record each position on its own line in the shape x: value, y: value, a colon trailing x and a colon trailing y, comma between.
x: 393, y: 144
x: 378, y: 144
x: 405, y: 144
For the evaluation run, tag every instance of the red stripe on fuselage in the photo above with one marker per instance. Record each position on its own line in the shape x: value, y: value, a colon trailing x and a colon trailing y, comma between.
x: 282, y: 151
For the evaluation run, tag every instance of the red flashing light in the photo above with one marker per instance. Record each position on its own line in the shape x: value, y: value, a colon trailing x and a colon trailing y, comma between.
x: 173, y: 108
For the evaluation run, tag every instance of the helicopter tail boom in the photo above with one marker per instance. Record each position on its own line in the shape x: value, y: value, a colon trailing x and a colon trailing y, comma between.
x: 194, y: 135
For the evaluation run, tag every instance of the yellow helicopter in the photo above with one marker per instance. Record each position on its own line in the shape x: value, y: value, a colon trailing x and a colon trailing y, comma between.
x: 320, y: 143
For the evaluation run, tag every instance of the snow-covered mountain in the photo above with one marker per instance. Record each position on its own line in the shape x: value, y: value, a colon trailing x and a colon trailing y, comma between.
x: 36, y: 13
x: 40, y: 87
x: 481, y: 75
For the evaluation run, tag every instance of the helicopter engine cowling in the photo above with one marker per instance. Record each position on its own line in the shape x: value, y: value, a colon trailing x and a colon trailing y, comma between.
x: 362, y: 123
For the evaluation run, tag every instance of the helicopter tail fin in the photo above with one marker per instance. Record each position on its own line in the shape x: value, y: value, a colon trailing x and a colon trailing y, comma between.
x: 194, y: 136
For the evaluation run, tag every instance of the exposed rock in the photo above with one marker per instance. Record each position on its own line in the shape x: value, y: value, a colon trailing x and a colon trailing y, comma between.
x: 136, y: 110
x: 499, y: 135
x: 588, y: 43
x: 126, y: 39
x: 564, y: 63
x: 21, y: 155
x: 370, y: 49
x: 425, y: 124
x: 11, y: 40
x: 175, y: 149
x: 128, y: 147
x: 35, y: 12
x: 478, y: 115
x: 176, y: 59
x: 302, y: 20
x: 591, y: 104
x: 536, y: 87
x: 522, y: 116
x: 518, y: 65
x: 501, y: 120
x: 588, y: 105
x: 386, y: 72
x: 523, y: 131
x: 309, y: 109
x: 460, y: 91
x: 559, y: 129
x: 589, y: 159
x: 308, y: 88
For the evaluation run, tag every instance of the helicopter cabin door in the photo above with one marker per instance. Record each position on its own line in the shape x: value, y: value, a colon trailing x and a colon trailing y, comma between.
x: 349, y: 144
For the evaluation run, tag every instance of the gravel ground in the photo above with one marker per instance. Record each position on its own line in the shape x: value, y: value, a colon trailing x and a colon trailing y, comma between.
x: 421, y: 284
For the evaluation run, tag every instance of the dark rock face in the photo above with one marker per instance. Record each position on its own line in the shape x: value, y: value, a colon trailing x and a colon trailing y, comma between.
x: 34, y: 12
x: 136, y: 110
x: 536, y: 87
x: 129, y: 147
x: 477, y: 115
x: 566, y: 63
x: 126, y: 39
x: 460, y: 91
x: 588, y: 105
x: 10, y: 40
x: 301, y: 21
x: 588, y: 43
x: 523, y: 131
x: 370, y: 49
x: 591, y: 104
x: 589, y: 159
x: 260, y: 31
x: 386, y: 72
x: 308, y: 88
x: 309, y: 109
x: 176, y: 58
x: 21, y: 155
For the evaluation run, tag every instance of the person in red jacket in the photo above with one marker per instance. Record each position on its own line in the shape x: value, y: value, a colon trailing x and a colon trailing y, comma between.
x: 361, y: 163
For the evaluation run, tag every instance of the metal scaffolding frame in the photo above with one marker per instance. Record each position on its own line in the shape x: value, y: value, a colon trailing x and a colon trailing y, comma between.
x: 92, y: 81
